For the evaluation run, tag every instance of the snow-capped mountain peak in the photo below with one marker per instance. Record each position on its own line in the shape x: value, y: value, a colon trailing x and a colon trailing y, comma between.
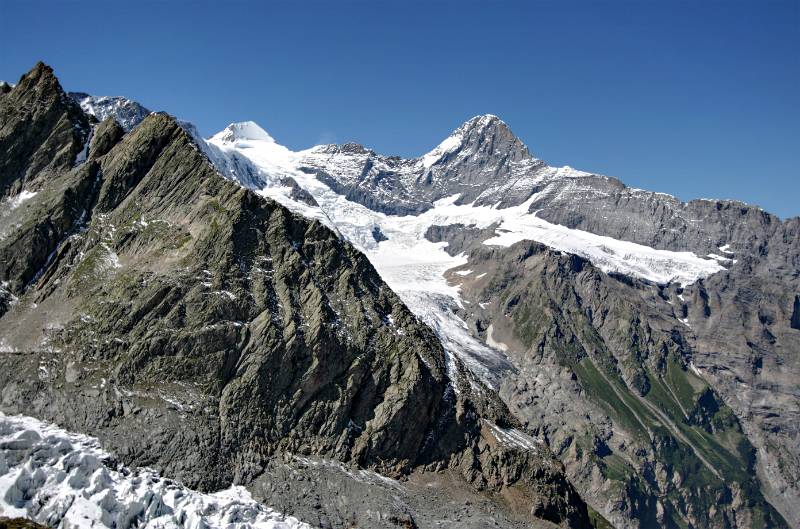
x: 483, y: 120
x: 485, y: 133
x: 242, y: 131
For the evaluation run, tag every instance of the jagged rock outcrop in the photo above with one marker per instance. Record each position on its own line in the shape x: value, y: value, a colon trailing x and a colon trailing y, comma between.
x: 486, y: 164
x: 747, y: 347
x: 19, y: 523
x: 605, y: 206
x: 142, y: 293
x: 199, y: 328
x: 41, y: 132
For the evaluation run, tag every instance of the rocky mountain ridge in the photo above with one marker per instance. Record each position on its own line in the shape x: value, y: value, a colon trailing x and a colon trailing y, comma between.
x: 196, y: 327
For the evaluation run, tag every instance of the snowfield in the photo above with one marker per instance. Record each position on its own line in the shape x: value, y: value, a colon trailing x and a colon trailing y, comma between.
x: 413, y: 266
x: 60, y: 479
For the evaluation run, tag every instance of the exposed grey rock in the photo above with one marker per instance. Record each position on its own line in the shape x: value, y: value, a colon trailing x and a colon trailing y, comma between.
x: 604, y: 368
x: 458, y: 236
x: 124, y: 111
x: 747, y: 347
x: 298, y: 193
x: 605, y: 206
x: 378, y: 235
x: 668, y: 406
x: 484, y: 163
x: 105, y: 136
x: 736, y: 325
x: 41, y: 132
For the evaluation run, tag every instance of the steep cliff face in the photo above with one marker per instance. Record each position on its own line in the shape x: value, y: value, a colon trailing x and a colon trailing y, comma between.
x: 608, y: 371
x: 19, y: 523
x: 196, y: 326
x: 747, y: 345
x: 482, y: 161
x: 605, y: 206
x: 487, y: 165
x: 125, y: 112
x: 199, y: 328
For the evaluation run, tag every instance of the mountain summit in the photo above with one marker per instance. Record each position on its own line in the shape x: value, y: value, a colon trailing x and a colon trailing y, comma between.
x: 241, y: 131
x: 126, y: 112
x: 481, y: 136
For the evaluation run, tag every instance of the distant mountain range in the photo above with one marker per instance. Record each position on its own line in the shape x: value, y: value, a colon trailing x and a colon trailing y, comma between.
x: 470, y: 338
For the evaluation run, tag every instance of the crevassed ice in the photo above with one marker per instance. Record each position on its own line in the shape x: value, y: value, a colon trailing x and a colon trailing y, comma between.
x: 59, y: 479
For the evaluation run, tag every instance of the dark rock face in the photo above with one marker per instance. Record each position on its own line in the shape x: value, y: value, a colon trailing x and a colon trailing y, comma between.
x: 41, y: 132
x: 106, y: 135
x: 486, y: 164
x: 747, y: 347
x: 19, y: 523
x: 458, y: 236
x: 201, y: 329
x: 605, y: 206
x: 378, y: 235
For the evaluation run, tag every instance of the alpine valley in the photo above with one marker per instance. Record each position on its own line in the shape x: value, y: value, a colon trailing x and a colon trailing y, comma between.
x: 224, y: 333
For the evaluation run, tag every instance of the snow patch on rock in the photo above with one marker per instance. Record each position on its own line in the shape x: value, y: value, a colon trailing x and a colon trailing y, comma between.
x: 21, y: 198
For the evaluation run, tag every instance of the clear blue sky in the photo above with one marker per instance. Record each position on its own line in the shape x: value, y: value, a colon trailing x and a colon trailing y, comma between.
x: 696, y: 98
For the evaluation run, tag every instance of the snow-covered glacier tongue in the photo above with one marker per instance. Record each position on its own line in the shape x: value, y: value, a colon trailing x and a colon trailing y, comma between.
x: 411, y: 265
x: 65, y: 480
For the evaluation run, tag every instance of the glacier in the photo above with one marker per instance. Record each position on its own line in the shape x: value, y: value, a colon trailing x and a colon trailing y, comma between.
x: 415, y: 267
x: 67, y: 481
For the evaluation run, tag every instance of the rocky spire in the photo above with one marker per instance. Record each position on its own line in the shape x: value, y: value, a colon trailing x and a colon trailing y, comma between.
x: 40, y: 127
